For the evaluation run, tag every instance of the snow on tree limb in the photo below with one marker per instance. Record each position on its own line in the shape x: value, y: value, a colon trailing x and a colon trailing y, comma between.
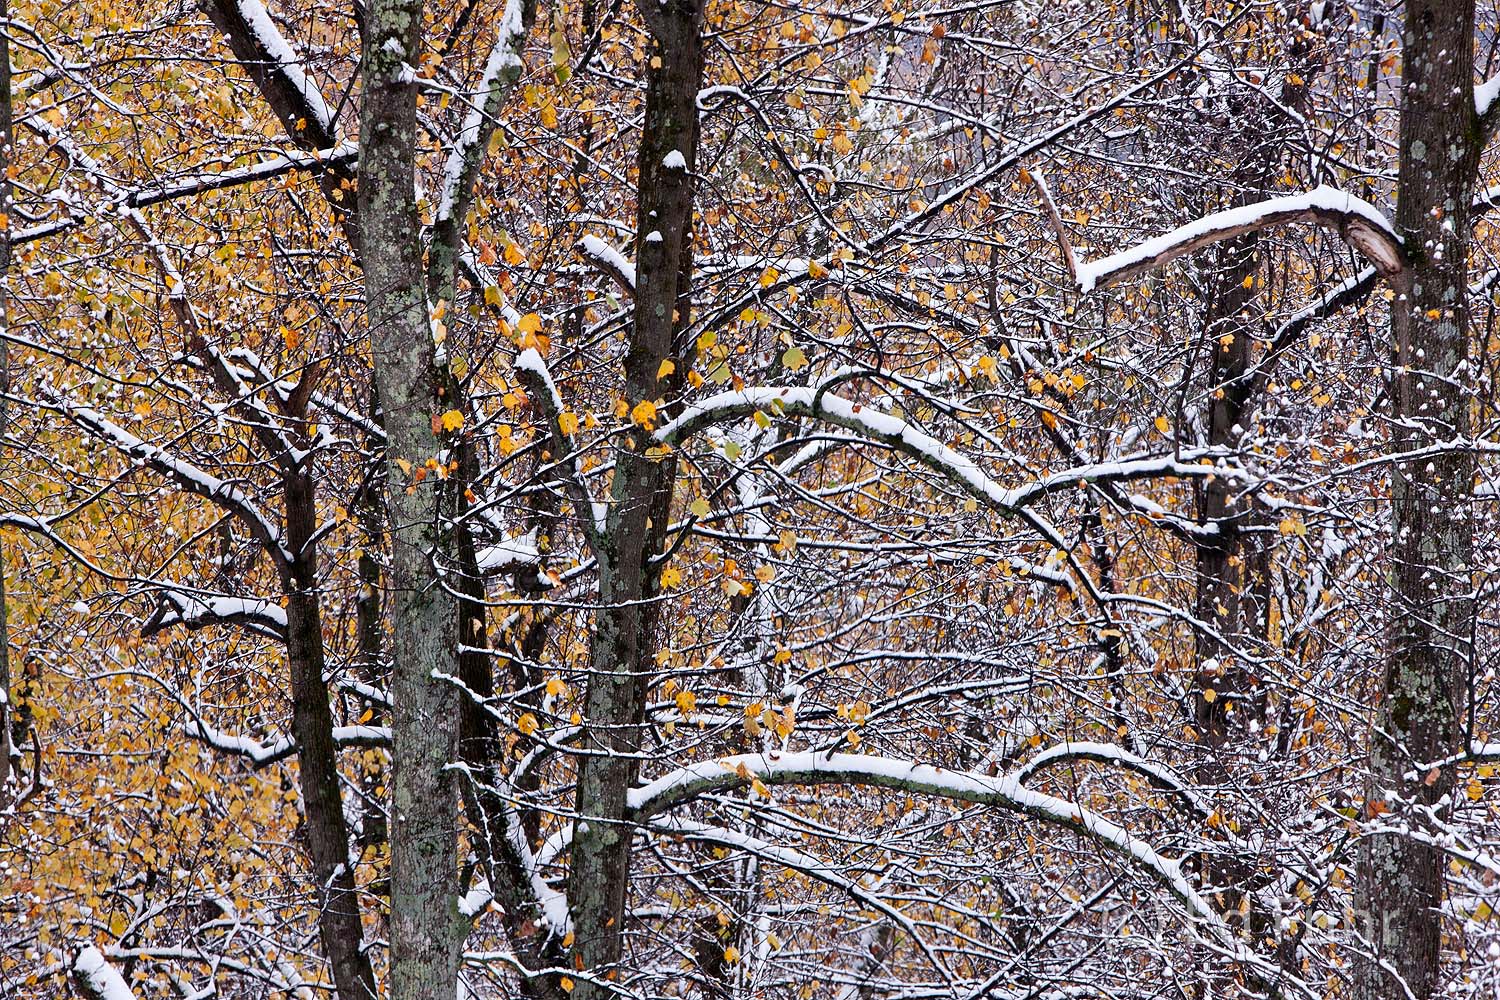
x: 187, y: 475
x: 1003, y: 792
x: 608, y: 260
x: 199, y: 610
x: 257, y: 41
x: 96, y: 979
x: 261, y: 755
x: 1485, y: 95
x: 1361, y: 224
x: 501, y: 71
x: 341, y: 157
x: 1070, y: 259
x: 892, y: 431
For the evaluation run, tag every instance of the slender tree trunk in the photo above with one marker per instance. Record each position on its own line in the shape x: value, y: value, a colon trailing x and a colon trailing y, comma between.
x: 6, y: 158
x: 411, y: 380
x: 327, y: 834
x: 370, y: 628
x: 1419, y: 717
x: 624, y: 642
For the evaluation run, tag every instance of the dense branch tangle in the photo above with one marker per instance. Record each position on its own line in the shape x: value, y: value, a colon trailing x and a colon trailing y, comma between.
x: 801, y: 587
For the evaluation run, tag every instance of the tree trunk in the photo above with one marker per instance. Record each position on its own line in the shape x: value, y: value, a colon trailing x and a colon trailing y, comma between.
x: 411, y: 380
x: 1419, y: 717
x: 327, y: 834
x: 624, y: 643
x: 6, y: 151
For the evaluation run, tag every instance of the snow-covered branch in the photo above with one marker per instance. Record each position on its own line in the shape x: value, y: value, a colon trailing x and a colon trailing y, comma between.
x: 277, y: 69
x: 1361, y: 224
x: 1002, y: 792
x: 501, y: 71
x: 196, y: 611
x: 96, y: 979
x: 899, y: 435
x: 190, y: 477
x: 265, y: 754
x: 341, y: 157
x: 609, y: 261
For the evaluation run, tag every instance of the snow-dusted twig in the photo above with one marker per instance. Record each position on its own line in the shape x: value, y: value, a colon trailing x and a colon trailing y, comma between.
x: 1050, y: 206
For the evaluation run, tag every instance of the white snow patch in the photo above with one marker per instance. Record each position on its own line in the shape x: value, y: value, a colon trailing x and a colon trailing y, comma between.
x: 99, y: 977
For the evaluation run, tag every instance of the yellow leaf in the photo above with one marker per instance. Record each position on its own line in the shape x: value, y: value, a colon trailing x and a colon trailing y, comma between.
x: 666, y: 368
x: 671, y: 577
x: 555, y: 687
x: 1249, y: 281
x: 794, y: 358
x: 1164, y: 425
x: 527, y: 723
x: 699, y: 507
x: 644, y: 413
x: 816, y: 271
x: 531, y: 323
x: 567, y: 422
x: 452, y: 420
x: 492, y: 295
x: 731, y: 954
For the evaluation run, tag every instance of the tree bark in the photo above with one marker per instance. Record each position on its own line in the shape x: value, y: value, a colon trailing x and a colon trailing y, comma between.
x: 411, y: 379
x: 1419, y: 717
x: 624, y: 641
x: 6, y: 158
x: 327, y: 834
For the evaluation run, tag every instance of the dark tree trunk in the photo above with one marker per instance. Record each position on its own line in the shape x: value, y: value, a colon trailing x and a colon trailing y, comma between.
x: 1419, y: 717
x: 5, y: 207
x: 326, y: 833
x: 624, y: 640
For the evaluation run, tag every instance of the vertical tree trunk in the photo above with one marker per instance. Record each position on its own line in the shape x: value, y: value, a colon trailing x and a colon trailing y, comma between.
x: 6, y: 158
x: 624, y: 643
x: 411, y: 380
x: 327, y: 834
x: 1419, y: 718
